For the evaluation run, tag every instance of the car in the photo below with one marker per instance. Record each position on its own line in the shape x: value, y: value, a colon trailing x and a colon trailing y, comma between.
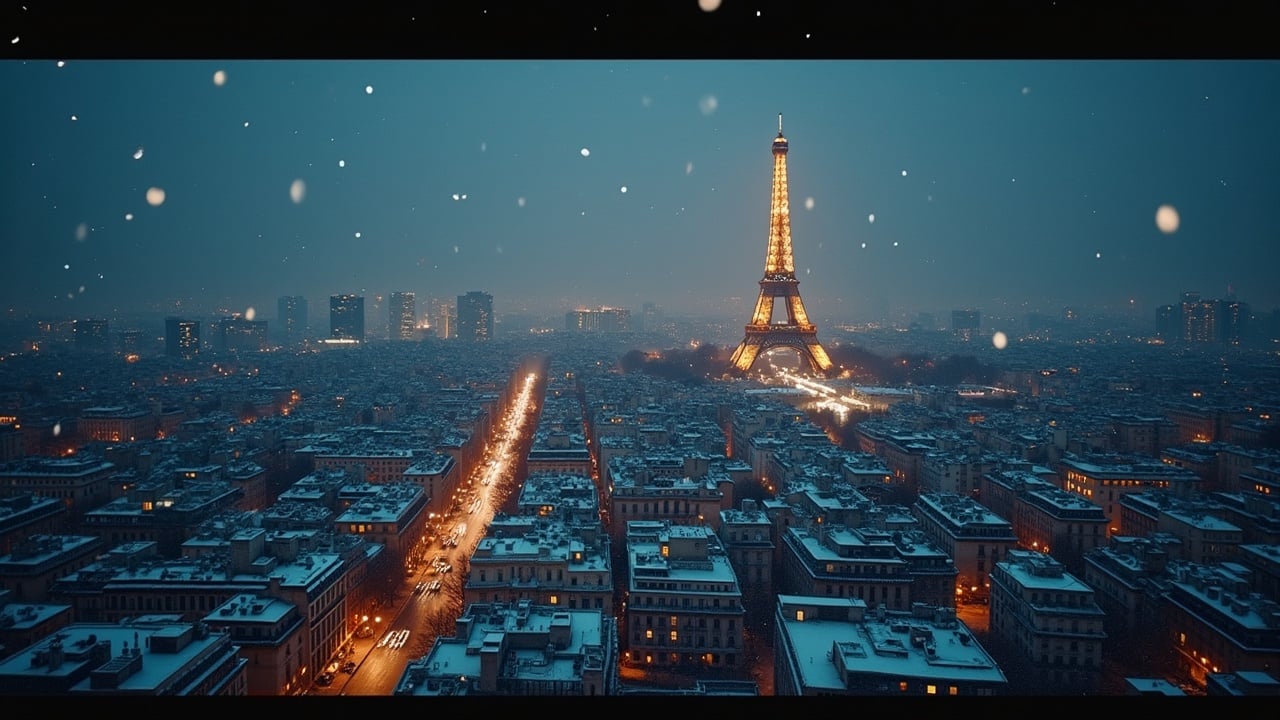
x: 364, y: 631
x: 349, y: 667
x: 325, y: 679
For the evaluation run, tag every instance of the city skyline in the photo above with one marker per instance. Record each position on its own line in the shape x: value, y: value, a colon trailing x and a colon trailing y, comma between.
x: 916, y: 186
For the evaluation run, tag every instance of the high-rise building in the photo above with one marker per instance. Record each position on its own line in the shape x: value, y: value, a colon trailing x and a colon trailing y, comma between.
x: 475, y: 316
x: 403, y: 321
x: 291, y: 319
x: 91, y: 335
x: 1199, y: 319
x: 181, y: 337
x: 605, y: 319
x: 346, y: 317
x: 446, y: 318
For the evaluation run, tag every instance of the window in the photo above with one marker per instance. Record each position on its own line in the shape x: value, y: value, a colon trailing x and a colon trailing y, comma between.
x: 674, y: 635
x: 555, y: 599
x: 931, y: 689
x: 799, y: 617
x: 674, y: 620
x: 648, y: 634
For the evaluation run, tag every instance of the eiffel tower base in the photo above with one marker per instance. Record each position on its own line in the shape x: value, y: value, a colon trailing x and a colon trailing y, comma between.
x: 807, y: 345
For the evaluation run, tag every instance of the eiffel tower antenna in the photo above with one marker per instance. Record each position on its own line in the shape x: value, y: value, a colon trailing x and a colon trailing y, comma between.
x: 779, y: 282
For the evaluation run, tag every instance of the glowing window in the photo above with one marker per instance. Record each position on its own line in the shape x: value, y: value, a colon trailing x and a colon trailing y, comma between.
x: 931, y: 689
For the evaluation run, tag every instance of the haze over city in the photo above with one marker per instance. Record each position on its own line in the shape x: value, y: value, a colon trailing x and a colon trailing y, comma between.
x: 915, y: 186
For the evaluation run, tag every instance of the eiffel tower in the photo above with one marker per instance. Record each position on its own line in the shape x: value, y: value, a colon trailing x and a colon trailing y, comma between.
x: 780, y: 281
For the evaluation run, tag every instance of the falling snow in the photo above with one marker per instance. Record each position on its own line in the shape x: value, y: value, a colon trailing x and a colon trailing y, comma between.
x: 688, y: 168
x: 220, y: 78
x: 368, y: 89
x: 520, y: 202
x: 709, y: 5
x: 342, y: 163
x: 708, y: 104
x: 1167, y: 219
x: 808, y: 203
x: 904, y: 173
x: 250, y: 313
x: 623, y: 189
x: 357, y: 234
x: 128, y: 216
x: 155, y: 196
x: 999, y: 340
x: 871, y: 218
x: 584, y: 152
x: 137, y: 154
x: 298, y: 191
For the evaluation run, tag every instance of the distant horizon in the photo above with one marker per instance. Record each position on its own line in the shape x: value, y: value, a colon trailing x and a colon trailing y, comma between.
x: 915, y: 186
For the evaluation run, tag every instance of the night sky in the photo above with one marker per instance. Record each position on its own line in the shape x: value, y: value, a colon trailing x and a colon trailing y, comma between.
x: 554, y: 184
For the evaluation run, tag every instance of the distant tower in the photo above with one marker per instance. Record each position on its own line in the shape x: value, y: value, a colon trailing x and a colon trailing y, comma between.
x: 346, y: 317
x: 780, y: 281
x: 403, y: 322
x: 181, y: 337
x: 291, y: 317
x: 475, y: 316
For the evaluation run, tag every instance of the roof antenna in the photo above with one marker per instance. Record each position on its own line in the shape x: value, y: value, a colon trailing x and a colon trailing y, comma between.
x: 779, y: 123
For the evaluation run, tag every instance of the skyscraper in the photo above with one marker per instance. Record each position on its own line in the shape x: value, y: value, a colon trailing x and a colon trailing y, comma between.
x: 346, y: 317
x: 475, y: 316
x: 291, y: 317
x: 403, y: 322
x: 181, y: 337
x: 445, y: 316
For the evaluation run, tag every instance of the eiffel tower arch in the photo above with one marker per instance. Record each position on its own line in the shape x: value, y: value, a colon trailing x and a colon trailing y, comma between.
x: 780, y: 286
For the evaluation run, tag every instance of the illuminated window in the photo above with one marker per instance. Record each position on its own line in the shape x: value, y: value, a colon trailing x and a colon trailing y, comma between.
x: 902, y: 686
x: 953, y: 690
x: 674, y: 620
x: 931, y: 689
x: 648, y: 634
x: 673, y: 636
x: 799, y: 616
x: 555, y: 599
